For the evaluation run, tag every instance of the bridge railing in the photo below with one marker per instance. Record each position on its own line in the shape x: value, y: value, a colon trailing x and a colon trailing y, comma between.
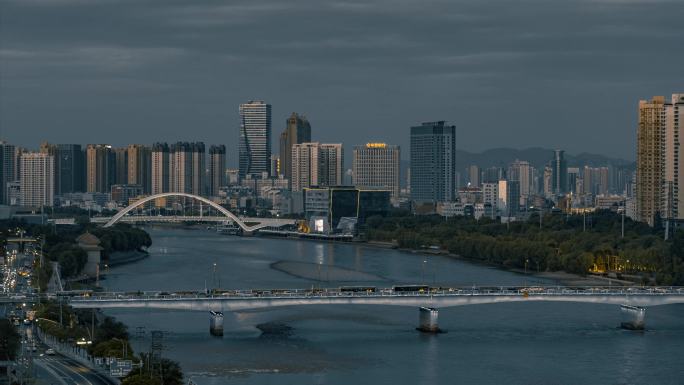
x: 382, y: 292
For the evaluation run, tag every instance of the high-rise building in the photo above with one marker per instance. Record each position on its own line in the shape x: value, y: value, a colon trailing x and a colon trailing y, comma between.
x: 160, y: 173
x: 37, y: 179
x: 316, y: 164
x: 297, y: 130
x: 474, y: 175
x: 331, y: 163
x: 120, y: 165
x: 547, y: 182
x: 650, y: 159
x: 595, y: 180
x: 187, y: 168
x: 217, y: 169
x: 305, y: 165
x: 376, y: 166
x: 140, y: 167
x: 493, y: 174
x: 433, y: 162
x: 68, y: 166
x: 522, y: 172
x: 673, y: 194
x: 490, y: 196
x: 574, y: 180
x: 508, y: 198
x: 100, y: 164
x: 8, y: 171
x: 254, y: 146
x: 559, y: 176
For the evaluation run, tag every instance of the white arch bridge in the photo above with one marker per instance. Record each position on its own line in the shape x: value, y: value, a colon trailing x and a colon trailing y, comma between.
x: 247, y: 224
x: 632, y: 300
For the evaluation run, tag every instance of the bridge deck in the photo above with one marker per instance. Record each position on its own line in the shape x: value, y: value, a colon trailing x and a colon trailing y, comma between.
x: 443, y: 297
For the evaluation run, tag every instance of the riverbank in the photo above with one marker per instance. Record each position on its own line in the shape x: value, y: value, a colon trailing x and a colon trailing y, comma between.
x: 563, y: 278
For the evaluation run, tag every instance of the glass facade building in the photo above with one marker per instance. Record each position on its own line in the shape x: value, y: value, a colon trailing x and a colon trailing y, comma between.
x: 254, y: 145
x: 433, y: 162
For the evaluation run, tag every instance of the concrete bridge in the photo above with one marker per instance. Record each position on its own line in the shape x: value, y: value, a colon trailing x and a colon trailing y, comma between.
x: 248, y: 225
x: 633, y: 300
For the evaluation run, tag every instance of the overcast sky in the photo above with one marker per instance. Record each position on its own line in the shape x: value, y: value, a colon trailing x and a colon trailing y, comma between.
x: 565, y: 74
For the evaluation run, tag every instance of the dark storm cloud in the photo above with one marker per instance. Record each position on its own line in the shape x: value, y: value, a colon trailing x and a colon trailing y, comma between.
x: 508, y: 73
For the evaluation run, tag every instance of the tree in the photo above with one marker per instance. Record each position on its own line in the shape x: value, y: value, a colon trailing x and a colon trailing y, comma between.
x: 141, y: 379
x: 10, y: 340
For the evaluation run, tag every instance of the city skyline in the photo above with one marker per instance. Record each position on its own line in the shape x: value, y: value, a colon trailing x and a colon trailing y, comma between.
x: 105, y: 85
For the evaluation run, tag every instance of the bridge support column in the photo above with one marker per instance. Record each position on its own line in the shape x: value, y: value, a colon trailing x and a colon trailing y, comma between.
x: 216, y: 323
x: 633, y: 317
x: 428, y: 320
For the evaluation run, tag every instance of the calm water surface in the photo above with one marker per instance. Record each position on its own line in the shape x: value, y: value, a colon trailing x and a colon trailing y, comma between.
x: 520, y: 343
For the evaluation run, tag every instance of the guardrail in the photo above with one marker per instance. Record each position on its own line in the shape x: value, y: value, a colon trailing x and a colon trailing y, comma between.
x: 336, y: 292
x: 381, y: 292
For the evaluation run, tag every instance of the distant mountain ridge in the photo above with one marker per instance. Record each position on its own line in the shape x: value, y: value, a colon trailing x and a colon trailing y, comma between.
x: 537, y: 156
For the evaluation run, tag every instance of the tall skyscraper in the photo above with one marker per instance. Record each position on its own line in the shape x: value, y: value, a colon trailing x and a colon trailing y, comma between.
x: 140, y: 167
x: 433, y: 162
x: 254, y: 146
x: 522, y: 172
x: 199, y: 160
x: 559, y: 176
x: 68, y: 166
x: 673, y: 194
x: 508, y: 198
x: 8, y: 171
x: 297, y: 130
x: 100, y: 164
x: 316, y: 164
x: 650, y: 159
x: 217, y: 169
x: 120, y: 165
x: 474, y: 175
x: 331, y: 165
x: 160, y: 164
x: 187, y: 168
x: 547, y: 185
x: 37, y: 179
x: 376, y: 166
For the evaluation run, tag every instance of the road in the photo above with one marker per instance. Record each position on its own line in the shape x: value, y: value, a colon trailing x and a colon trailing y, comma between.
x: 55, y: 369
x: 60, y: 369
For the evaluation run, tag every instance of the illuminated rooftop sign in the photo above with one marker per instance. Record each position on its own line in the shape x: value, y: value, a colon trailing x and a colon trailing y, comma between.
x: 376, y: 145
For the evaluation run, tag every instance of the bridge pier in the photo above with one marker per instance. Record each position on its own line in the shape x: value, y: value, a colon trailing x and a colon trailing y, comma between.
x: 428, y: 318
x: 216, y: 323
x: 633, y: 317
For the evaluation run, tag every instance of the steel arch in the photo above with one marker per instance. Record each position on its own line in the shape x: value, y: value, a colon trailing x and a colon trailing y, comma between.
x: 150, y: 198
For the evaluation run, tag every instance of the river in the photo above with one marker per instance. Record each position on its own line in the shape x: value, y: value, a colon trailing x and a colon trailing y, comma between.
x: 515, y: 343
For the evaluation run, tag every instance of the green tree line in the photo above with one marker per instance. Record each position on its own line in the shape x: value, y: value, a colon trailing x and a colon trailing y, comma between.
x: 571, y: 243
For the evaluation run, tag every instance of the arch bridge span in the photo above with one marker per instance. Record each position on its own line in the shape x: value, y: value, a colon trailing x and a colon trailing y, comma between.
x: 241, y: 222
